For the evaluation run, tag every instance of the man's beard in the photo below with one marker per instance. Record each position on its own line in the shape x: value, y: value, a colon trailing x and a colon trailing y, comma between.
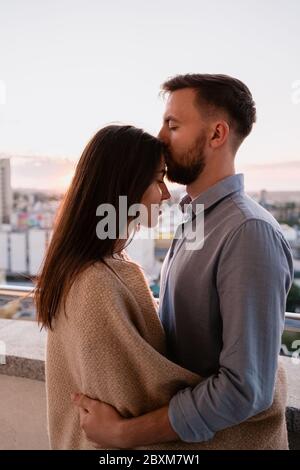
x: 189, y: 165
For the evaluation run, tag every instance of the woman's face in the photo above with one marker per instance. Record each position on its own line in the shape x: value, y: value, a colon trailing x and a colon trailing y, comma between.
x: 154, y: 195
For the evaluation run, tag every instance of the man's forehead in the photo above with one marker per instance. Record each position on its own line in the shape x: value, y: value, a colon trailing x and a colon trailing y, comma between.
x: 179, y: 104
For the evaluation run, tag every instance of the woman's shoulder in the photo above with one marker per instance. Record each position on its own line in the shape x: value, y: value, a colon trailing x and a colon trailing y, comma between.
x: 92, y: 274
x: 94, y: 294
x: 123, y: 267
x: 110, y: 275
x: 90, y: 284
x: 110, y: 282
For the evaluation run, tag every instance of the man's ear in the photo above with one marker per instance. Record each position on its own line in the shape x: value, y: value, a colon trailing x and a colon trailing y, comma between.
x: 220, y: 135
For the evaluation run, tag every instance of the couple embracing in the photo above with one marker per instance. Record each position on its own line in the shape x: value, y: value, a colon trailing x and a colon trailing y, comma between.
x: 203, y: 370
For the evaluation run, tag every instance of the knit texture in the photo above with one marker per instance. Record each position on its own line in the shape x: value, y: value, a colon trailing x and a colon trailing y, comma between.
x: 111, y: 346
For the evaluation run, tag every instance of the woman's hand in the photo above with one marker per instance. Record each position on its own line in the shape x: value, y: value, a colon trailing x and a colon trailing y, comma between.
x: 101, y: 422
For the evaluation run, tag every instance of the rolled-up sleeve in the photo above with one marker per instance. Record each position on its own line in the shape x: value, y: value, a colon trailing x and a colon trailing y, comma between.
x: 253, y: 277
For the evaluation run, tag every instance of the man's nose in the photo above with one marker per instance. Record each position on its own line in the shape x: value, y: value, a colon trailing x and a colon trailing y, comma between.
x: 162, y: 135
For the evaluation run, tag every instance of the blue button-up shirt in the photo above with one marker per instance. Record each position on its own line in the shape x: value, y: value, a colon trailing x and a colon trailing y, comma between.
x: 222, y: 307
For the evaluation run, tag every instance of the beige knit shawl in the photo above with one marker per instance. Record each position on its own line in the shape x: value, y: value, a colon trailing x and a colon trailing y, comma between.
x: 110, y: 345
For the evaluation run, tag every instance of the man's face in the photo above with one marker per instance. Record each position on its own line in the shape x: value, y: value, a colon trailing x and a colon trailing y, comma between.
x: 184, y: 132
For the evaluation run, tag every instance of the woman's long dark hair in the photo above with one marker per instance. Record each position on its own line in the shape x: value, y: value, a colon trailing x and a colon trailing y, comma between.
x: 118, y: 161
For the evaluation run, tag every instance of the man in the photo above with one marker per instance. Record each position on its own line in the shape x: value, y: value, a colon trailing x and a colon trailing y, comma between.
x: 222, y: 306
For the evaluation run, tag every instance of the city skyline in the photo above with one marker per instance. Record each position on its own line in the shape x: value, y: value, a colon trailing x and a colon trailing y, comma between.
x: 55, y: 174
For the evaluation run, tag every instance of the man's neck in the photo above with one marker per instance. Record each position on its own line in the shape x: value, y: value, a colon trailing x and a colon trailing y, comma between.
x: 210, y: 176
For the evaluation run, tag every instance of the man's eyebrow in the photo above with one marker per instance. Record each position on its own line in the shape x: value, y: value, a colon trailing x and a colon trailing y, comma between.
x: 169, y: 117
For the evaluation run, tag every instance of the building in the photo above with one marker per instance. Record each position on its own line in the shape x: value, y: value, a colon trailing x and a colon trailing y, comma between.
x: 5, y: 191
x: 290, y: 233
x: 22, y: 253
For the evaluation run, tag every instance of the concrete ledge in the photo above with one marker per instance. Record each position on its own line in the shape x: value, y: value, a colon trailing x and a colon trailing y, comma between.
x: 22, y: 349
x: 22, y: 367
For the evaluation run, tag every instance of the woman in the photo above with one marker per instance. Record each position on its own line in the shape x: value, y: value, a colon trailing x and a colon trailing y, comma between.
x: 105, y: 338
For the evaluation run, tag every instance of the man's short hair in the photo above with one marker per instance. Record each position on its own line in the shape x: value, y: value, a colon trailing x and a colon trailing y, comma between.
x: 220, y: 92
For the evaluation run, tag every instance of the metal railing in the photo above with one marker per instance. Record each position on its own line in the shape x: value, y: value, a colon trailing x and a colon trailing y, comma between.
x: 15, y: 290
x: 292, y: 320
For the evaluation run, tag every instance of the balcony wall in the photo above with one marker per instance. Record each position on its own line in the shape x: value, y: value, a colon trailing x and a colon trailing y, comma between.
x: 22, y: 386
x: 23, y: 414
x: 23, y: 398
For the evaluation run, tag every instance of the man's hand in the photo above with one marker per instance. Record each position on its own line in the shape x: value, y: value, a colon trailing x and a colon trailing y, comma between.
x: 100, y: 422
x: 106, y: 428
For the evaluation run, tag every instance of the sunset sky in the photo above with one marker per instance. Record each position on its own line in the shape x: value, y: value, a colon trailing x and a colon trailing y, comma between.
x: 68, y: 67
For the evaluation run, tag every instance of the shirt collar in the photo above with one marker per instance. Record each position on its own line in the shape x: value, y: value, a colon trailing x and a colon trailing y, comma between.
x: 215, y: 193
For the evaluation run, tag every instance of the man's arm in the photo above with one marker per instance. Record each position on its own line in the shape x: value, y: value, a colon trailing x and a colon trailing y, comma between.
x: 148, y: 429
x: 105, y: 427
